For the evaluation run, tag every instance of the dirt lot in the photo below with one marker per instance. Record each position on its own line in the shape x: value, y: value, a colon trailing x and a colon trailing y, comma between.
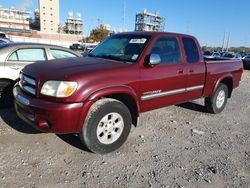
x: 178, y: 146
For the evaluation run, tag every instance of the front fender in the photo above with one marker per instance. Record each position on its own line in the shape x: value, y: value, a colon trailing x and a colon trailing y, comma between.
x: 104, y: 92
x: 111, y: 91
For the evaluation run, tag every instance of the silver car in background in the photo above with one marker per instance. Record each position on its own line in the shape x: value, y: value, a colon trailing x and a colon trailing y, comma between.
x: 14, y: 56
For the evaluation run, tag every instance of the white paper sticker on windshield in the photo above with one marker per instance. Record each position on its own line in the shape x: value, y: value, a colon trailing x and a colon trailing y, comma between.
x: 138, y: 41
x: 134, y: 57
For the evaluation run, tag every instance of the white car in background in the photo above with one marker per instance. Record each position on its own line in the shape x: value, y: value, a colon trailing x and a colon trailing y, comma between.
x: 14, y: 56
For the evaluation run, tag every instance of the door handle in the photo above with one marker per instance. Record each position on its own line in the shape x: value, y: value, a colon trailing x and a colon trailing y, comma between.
x: 15, y: 67
x: 191, y: 70
x: 180, y: 71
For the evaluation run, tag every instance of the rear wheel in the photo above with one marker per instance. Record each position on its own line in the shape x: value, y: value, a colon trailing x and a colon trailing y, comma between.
x: 6, y: 95
x: 217, y: 102
x: 107, y: 126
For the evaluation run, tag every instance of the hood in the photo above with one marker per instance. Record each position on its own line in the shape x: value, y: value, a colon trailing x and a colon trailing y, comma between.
x: 65, y: 68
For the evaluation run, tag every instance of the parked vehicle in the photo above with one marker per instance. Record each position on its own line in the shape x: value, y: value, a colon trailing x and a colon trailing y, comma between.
x: 207, y: 54
x: 14, y: 56
x: 2, y: 35
x: 4, y: 40
x: 231, y: 55
x: 216, y: 55
x: 76, y: 46
x: 246, y: 61
x: 211, y: 55
x: 88, y: 48
x: 102, y: 95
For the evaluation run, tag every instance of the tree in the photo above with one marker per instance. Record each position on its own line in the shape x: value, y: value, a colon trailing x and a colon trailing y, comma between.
x: 99, y: 34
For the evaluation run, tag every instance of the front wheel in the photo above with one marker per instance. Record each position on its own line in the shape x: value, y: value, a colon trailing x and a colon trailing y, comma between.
x: 217, y: 102
x: 107, y: 126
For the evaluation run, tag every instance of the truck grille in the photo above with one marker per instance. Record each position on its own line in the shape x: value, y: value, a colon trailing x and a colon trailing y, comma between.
x: 27, y: 84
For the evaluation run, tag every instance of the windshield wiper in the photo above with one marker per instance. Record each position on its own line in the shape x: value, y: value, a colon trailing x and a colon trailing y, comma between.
x: 112, y: 57
x: 90, y: 55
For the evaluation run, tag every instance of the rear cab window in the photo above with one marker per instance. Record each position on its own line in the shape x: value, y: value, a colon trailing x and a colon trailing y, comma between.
x: 191, y: 50
x: 28, y: 55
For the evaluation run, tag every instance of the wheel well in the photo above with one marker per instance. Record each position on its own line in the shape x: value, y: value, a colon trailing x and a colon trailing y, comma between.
x: 129, y: 102
x: 229, y: 83
x: 5, y: 80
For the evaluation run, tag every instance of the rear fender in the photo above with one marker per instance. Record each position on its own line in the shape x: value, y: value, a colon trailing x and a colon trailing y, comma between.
x: 227, y: 76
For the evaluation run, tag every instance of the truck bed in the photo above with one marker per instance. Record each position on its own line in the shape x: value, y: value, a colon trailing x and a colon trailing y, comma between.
x: 217, y: 69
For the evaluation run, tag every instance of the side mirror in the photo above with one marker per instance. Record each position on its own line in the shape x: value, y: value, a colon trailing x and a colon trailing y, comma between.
x: 152, y: 60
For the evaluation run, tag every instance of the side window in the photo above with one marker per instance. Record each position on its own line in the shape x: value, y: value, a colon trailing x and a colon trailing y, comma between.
x: 168, y: 49
x: 58, y: 54
x: 29, y: 54
x: 191, y: 50
x: 13, y: 57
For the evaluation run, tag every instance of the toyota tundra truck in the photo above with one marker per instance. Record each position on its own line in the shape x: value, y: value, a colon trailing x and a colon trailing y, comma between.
x: 102, y: 95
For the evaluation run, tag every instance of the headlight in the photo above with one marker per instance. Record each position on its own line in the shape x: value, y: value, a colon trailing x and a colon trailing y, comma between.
x: 59, y: 88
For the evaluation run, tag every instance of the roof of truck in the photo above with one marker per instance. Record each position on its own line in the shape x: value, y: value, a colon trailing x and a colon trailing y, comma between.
x: 155, y: 33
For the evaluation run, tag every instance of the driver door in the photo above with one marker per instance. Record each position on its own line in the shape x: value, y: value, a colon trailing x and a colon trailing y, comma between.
x: 164, y: 84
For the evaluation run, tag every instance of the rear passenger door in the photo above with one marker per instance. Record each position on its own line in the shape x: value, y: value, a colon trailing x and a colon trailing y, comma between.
x: 163, y: 84
x: 195, y: 68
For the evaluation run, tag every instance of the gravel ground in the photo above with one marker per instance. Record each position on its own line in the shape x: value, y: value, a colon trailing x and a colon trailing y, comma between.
x: 177, y: 146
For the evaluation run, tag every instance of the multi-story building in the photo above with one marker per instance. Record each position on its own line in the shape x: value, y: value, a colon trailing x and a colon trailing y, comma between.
x: 74, y: 25
x: 12, y: 20
x: 146, y: 21
x: 49, y: 16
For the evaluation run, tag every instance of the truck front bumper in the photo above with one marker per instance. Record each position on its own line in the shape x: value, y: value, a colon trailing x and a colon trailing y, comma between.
x: 59, y: 118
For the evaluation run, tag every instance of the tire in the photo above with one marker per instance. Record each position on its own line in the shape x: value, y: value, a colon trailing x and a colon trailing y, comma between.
x: 107, y: 126
x: 217, y: 102
x: 6, y: 95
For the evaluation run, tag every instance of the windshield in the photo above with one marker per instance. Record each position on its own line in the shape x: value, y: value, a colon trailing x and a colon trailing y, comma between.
x: 121, y: 47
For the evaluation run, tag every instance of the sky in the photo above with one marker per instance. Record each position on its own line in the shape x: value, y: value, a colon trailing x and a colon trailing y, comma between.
x: 208, y: 20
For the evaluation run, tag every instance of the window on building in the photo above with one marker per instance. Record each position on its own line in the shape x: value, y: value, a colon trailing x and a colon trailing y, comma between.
x: 168, y: 49
x: 29, y: 54
x: 191, y: 50
x: 59, y: 54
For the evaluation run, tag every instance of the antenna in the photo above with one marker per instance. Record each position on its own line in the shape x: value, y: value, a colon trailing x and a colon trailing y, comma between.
x: 228, y: 40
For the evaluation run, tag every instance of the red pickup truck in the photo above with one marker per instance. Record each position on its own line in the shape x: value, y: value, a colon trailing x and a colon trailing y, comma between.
x: 100, y: 96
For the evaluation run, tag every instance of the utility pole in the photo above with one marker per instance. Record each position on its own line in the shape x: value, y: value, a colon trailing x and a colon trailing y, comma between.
x: 228, y: 38
x: 223, y: 42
